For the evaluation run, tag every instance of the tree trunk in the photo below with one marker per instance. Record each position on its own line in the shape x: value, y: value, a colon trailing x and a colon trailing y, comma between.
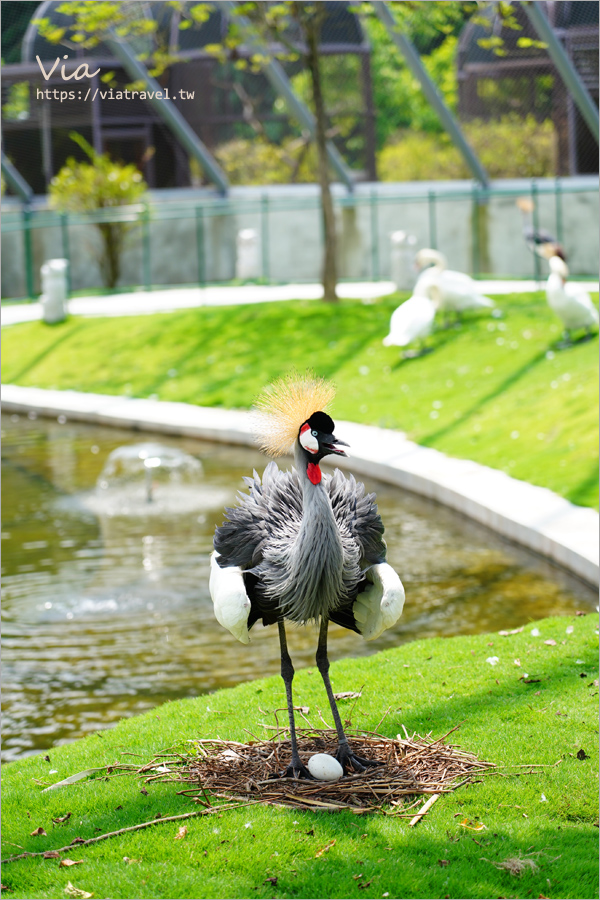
x: 110, y: 259
x: 312, y: 25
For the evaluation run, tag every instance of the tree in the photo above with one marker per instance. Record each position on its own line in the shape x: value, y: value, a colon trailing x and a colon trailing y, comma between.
x: 99, y: 184
x: 295, y: 26
x: 308, y: 19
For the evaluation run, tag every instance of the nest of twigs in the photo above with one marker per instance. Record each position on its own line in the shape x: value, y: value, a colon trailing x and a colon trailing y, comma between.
x: 251, y: 772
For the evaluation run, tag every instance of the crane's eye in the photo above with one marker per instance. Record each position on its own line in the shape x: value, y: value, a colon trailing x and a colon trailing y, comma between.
x: 314, y: 433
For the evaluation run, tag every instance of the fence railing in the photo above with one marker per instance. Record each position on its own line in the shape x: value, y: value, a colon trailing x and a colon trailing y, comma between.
x: 371, y: 203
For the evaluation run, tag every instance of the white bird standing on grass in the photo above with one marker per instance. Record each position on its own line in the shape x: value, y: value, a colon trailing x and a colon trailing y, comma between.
x: 452, y: 291
x: 304, y: 547
x: 572, y: 304
x: 412, y: 321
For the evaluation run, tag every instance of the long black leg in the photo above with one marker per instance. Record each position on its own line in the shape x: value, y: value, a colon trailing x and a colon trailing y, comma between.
x: 344, y: 754
x: 295, y: 769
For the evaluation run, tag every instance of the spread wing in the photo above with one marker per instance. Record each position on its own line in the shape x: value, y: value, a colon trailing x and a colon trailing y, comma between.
x: 357, y: 511
x: 230, y: 600
x: 380, y: 597
x: 380, y: 605
x: 272, y: 506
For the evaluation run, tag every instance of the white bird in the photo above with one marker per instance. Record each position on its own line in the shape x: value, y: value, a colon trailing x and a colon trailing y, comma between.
x: 572, y: 305
x: 452, y: 291
x: 411, y: 321
x: 304, y: 547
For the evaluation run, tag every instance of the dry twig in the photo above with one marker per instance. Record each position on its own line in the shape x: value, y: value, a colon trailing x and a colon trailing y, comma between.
x: 408, y: 768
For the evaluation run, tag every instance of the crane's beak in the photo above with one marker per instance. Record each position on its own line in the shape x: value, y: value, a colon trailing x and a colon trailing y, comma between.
x: 332, y: 445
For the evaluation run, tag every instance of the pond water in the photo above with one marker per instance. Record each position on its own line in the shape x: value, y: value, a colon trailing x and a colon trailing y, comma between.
x: 109, y: 615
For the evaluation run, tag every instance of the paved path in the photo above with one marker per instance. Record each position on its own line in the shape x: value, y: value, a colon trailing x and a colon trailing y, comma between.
x: 140, y: 303
x: 531, y: 516
x: 147, y: 302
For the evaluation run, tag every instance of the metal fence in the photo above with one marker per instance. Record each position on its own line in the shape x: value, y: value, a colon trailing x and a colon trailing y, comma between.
x: 191, y: 241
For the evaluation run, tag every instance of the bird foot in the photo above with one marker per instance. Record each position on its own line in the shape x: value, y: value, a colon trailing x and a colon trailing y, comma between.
x: 347, y: 759
x: 296, y: 770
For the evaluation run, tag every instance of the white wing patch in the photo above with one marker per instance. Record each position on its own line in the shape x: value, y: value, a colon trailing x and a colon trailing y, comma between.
x: 381, y: 605
x: 231, y: 602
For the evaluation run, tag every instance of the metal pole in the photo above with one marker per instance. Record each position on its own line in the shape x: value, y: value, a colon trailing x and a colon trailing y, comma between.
x: 434, y: 97
x: 432, y: 221
x: 558, y: 209
x: 563, y: 63
x: 169, y: 113
x: 475, y: 262
x: 15, y: 180
x: 264, y: 235
x: 536, y: 228
x: 29, y: 282
x: 64, y: 234
x: 374, y: 236
x: 47, y: 164
x: 200, y: 245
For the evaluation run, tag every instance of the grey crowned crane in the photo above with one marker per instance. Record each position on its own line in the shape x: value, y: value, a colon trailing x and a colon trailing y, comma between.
x: 540, y: 242
x: 302, y: 546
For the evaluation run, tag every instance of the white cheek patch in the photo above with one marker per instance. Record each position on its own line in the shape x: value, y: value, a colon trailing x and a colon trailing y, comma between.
x: 308, y: 441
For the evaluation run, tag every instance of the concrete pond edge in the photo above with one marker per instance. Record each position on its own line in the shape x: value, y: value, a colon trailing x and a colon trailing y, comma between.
x: 534, y: 517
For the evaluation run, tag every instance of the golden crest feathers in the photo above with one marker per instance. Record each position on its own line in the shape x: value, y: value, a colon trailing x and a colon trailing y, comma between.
x: 284, y: 405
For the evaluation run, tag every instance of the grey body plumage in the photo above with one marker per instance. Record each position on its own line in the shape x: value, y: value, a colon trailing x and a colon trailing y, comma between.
x: 304, y: 554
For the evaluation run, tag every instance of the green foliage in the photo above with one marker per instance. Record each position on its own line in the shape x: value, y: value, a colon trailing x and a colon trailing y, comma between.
x: 508, y: 398
x: 257, y: 161
x: 417, y: 156
x: 102, y: 183
x: 16, y: 107
x: 398, y: 97
x: 514, y: 147
x: 341, y: 77
x: 511, y: 147
x: 428, y: 25
x: 99, y: 184
x: 93, y: 20
x: 547, y: 813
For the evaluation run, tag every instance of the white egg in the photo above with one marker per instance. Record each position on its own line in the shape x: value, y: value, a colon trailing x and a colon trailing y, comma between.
x: 324, y: 767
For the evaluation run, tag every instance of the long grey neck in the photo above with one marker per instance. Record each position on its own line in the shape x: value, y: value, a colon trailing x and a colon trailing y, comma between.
x: 317, y: 558
x: 311, y: 493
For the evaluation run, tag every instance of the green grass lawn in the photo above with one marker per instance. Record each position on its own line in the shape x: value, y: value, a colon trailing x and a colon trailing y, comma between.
x: 427, y: 686
x: 496, y: 390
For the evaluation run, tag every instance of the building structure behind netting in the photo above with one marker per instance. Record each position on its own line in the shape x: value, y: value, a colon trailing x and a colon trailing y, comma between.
x: 523, y: 80
x: 183, y: 231
x: 219, y: 99
x: 233, y: 107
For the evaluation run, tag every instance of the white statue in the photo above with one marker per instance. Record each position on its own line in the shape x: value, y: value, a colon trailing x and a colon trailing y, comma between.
x: 54, y: 290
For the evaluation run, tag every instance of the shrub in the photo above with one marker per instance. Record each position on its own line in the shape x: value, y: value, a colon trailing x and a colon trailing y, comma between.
x: 257, y: 161
x: 510, y: 147
x: 100, y: 184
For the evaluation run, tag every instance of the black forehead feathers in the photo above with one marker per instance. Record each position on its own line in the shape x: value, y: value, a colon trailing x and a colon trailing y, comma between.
x: 320, y: 421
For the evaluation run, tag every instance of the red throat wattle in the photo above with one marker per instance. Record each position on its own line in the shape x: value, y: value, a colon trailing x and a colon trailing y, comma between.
x: 314, y: 473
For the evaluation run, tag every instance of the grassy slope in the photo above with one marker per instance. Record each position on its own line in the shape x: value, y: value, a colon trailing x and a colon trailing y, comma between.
x: 430, y: 686
x: 495, y: 390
